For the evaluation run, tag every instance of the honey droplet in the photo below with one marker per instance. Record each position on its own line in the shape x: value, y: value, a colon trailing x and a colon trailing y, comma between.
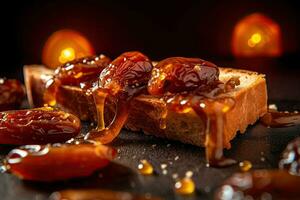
x: 185, y: 186
x: 145, y: 168
x: 52, y: 102
x: 163, y: 120
x: 245, y: 166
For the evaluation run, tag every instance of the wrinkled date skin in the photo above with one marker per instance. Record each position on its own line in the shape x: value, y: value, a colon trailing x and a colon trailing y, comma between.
x: 58, y: 162
x: 83, y: 72
x: 11, y: 94
x: 124, y: 78
x: 37, y: 126
x: 129, y: 71
x: 179, y: 74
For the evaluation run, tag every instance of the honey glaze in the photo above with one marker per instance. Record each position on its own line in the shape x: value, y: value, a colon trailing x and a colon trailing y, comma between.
x: 124, y: 78
x: 58, y: 161
x: 37, y: 126
x: 187, y: 84
x: 94, y: 194
x: 276, y: 119
x: 82, y: 72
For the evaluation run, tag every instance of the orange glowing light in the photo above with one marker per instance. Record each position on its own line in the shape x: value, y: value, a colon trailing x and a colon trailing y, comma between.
x: 65, y: 45
x: 66, y: 55
x: 256, y: 35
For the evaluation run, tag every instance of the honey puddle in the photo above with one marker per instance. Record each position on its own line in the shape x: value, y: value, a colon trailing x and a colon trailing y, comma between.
x: 276, y: 119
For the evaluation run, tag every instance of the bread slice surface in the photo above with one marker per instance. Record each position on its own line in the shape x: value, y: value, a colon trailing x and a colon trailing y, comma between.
x: 147, y: 111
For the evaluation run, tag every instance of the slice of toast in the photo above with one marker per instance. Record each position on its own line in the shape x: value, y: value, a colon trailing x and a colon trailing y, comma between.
x: 147, y: 111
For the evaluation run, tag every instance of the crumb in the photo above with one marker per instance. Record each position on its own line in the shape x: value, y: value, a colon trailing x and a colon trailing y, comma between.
x: 163, y: 166
x: 175, y: 176
x: 189, y: 174
x: 273, y: 107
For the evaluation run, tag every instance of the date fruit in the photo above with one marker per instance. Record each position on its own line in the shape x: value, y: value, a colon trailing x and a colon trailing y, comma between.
x: 11, y: 94
x: 57, y: 162
x: 179, y: 74
x: 124, y: 78
x: 37, y: 126
x: 82, y: 72
x: 128, y: 71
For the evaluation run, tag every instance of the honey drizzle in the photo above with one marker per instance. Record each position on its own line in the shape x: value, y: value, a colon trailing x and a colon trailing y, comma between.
x: 215, y: 112
x: 123, y: 79
x: 163, y: 119
x: 103, y: 134
x: 82, y: 72
x: 99, y: 97
x: 212, y: 111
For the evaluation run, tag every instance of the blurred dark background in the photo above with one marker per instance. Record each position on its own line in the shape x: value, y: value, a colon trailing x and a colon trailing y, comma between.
x: 157, y: 28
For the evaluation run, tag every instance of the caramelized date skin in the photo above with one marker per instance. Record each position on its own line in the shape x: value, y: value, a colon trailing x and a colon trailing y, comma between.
x: 37, y: 126
x: 179, y: 74
x: 128, y: 71
x: 125, y: 77
x: 58, y: 162
x: 193, y: 84
x: 11, y: 94
x: 83, y: 72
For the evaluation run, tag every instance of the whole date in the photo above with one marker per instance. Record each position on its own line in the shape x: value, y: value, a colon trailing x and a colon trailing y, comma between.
x: 57, y: 162
x: 37, y: 126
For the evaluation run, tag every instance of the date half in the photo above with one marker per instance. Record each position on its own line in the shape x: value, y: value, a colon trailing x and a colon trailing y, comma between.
x: 37, y: 126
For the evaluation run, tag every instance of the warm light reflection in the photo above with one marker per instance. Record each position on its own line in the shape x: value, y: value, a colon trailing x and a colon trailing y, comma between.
x: 63, y: 46
x: 256, y: 35
x: 254, y: 40
x: 66, y: 55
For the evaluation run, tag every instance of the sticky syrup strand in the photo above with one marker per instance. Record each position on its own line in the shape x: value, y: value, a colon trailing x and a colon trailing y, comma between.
x: 193, y: 84
x: 122, y: 80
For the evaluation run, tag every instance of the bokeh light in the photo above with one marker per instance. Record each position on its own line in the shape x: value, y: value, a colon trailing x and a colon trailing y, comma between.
x: 256, y: 35
x: 65, y: 45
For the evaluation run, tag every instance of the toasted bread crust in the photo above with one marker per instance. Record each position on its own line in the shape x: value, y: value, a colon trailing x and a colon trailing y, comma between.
x: 250, y: 104
x: 147, y: 111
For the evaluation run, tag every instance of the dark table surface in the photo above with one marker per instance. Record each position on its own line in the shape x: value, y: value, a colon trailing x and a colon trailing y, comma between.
x: 260, y: 145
